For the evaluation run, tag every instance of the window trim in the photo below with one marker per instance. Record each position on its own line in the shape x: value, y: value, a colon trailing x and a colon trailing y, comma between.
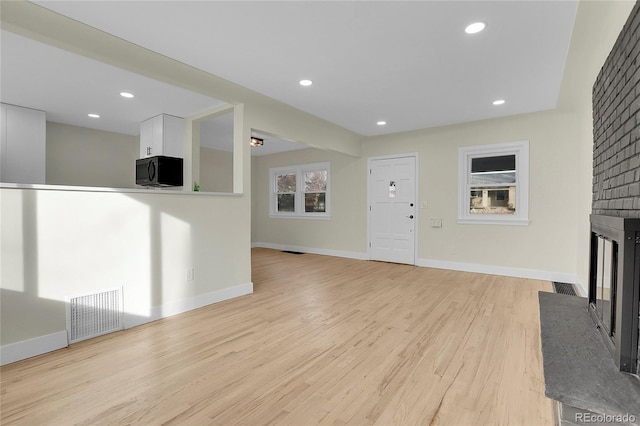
x: 465, y: 154
x: 299, y: 212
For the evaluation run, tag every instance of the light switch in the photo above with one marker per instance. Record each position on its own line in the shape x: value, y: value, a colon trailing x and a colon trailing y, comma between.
x: 436, y: 223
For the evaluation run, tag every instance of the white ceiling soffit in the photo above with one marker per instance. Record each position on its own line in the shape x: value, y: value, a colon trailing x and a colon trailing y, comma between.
x: 68, y: 87
x: 274, y: 145
x: 408, y: 63
x: 217, y: 133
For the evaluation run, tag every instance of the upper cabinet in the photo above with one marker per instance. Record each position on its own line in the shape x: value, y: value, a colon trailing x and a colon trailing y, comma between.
x: 162, y: 135
x: 22, y: 145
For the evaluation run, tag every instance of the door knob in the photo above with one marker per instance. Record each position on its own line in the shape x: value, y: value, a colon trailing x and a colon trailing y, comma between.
x: 410, y: 217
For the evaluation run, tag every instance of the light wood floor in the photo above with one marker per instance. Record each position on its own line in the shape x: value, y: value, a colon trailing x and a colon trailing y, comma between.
x: 322, y: 340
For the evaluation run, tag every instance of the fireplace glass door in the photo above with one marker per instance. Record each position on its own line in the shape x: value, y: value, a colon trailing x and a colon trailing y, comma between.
x: 606, y: 282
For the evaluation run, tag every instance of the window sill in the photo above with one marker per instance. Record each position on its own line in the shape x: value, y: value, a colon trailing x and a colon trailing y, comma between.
x: 283, y: 216
x: 491, y: 221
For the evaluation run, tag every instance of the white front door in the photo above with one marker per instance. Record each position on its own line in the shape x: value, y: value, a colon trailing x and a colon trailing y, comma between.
x: 392, y: 212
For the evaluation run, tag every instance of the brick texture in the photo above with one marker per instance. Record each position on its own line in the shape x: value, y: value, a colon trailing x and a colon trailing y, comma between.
x: 616, y: 126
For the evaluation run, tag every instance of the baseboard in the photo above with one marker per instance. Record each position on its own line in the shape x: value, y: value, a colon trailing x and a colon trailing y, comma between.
x: 181, y: 306
x: 325, y: 252
x: 39, y: 345
x: 581, y: 289
x: 444, y: 264
x: 502, y: 270
x: 32, y: 347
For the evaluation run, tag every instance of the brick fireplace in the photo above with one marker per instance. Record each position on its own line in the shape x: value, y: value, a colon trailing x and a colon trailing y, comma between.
x: 614, y: 288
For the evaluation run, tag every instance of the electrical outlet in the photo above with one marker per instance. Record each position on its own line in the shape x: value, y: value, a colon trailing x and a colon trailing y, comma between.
x: 436, y: 223
x: 188, y: 274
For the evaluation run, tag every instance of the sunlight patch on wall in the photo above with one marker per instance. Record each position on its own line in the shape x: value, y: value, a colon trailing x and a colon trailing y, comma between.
x: 76, y: 246
x: 12, y: 229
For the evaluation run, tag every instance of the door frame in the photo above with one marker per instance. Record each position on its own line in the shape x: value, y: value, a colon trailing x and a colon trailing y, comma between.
x: 417, y: 204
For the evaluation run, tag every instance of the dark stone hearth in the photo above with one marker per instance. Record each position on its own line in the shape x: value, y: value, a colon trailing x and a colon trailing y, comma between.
x: 578, y: 369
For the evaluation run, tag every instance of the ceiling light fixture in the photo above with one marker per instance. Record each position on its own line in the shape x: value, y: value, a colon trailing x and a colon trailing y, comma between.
x: 474, y: 28
x: 93, y: 115
x: 306, y: 82
x: 499, y: 102
x: 126, y: 95
x: 381, y: 123
x: 256, y: 141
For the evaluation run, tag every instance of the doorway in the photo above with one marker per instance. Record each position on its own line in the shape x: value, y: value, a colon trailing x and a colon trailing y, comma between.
x: 392, y: 215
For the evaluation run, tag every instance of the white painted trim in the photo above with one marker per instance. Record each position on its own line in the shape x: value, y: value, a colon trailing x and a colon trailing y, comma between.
x: 523, y: 222
x: 501, y: 270
x: 416, y: 202
x: 39, y: 345
x: 299, y: 170
x: 181, y: 306
x: 310, y: 250
x: 506, y: 271
x: 465, y: 154
x: 159, y: 190
x: 581, y: 289
x: 24, y: 349
x: 295, y: 216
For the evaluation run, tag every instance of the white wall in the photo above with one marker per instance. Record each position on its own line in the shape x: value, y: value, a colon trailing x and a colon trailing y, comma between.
x: 547, y: 243
x: 216, y: 170
x: 63, y: 243
x: 345, y: 232
x: 55, y: 242
x: 597, y: 26
x: 89, y: 157
x: 146, y: 240
x: 555, y: 244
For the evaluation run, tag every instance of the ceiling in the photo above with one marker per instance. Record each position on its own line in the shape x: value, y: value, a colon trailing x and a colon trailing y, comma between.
x: 68, y: 87
x: 217, y: 133
x: 409, y: 63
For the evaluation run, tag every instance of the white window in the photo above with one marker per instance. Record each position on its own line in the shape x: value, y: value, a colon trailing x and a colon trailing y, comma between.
x: 300, y: 191
x: 493, y: 184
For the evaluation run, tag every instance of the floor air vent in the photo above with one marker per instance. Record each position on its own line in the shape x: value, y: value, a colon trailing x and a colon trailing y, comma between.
x: 564, y: 288
x: 92, y: 315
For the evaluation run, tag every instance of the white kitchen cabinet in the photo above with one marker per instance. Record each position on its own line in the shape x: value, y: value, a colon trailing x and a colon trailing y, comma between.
x: 22, y: 145
x: 162, y: 135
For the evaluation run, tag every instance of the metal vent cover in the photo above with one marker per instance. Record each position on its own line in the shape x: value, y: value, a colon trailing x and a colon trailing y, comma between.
x: 95, y: 314
x: 564, y: 288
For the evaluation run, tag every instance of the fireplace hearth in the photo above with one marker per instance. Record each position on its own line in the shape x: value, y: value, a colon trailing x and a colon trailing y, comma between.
x: 614, y: 287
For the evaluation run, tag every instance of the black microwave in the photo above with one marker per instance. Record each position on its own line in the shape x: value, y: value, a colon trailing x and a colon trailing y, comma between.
x: 159, y: 171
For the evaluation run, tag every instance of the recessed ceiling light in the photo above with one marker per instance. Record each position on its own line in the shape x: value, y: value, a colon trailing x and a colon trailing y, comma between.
x: 306, y: 82
x: 499, y: 102
x: 126, y: 94
x: 381, y: 123
x: 93, y: 115
x: 476, y: 27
